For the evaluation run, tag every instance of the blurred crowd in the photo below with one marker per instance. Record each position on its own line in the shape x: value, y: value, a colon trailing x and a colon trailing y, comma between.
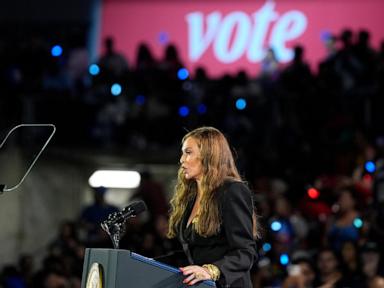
x: 309, y: 142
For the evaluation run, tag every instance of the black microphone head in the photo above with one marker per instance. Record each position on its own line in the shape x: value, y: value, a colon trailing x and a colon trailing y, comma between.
x: 117, y: 219
x: 135, y: 208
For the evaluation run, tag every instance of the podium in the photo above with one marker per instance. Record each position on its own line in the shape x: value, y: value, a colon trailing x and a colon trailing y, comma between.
x: 115, y: 268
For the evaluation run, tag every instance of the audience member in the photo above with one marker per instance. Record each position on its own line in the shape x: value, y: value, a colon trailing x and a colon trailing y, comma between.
x: 329, y: 274
x: 112, y: 63
x: 343, y: 228
x: 92, y: 216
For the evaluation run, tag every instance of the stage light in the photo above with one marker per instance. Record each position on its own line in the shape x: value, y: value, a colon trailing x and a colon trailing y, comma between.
x: 284, y: 259
x: 140, y: 100
x: 182, y: 74
x: 358, y: 223
x: 313, y: 193
x: 241, y: 104
x: 94, y: 69
x: 115, y: 179
x: 370, y: 166
x: 276, y: 226
x: 56, y: 51
x: 202, y: 109
x: 183, y: 111
x: 325, y: 36
x: 163, y: 38
x: 267, y: 247
x: 116, y: 89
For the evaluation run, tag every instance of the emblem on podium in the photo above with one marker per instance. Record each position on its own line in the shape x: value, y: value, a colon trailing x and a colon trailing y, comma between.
x: 95, y: 276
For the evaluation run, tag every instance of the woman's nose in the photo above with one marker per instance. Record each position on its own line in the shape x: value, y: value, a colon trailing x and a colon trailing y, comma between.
x: 181, y: 160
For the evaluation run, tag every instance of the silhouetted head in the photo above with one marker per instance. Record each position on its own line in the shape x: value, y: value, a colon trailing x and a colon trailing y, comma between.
x: 171, y: 52
x: 346, y: 37
x: 298, y: 53
x: 363, y: 38
x: 146, y: 175
x: 144, y: 53
x: 382, y: 48
x: 98, y: 193
x: 200, y: 74
x: 109, y: 44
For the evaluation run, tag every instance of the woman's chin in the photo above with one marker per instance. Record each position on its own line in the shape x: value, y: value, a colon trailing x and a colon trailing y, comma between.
x: 189, y: 177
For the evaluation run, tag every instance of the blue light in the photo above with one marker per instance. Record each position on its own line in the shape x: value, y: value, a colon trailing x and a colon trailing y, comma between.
x: 163, y: 38
x: 267, y: 247
x: 183, y: 111
x: 56, y: 51
x: 284, y: 259
x: 241, y: 104
x: 182, y: 74
x: 325, y: 36
x: 370, y: 167
x: 140, y: 99
x: 358, y: 223
x: 116, y: 89
x: 94, y: 69
x: 202, y: 109
x: 276, y: 226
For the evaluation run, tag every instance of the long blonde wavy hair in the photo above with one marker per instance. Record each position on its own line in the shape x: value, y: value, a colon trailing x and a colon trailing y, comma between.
x: 218, y: 165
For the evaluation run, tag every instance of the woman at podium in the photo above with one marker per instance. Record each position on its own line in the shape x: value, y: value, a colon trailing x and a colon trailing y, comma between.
x: 212, y: 212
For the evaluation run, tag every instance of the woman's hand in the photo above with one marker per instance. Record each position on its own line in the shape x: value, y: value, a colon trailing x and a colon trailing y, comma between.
x: 194, y: 274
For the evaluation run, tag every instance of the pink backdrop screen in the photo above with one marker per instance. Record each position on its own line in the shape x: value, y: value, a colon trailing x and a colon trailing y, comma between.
x: 227, y: 36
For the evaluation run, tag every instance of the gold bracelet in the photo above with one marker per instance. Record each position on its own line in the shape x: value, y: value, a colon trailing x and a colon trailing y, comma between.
x: 213, y: 271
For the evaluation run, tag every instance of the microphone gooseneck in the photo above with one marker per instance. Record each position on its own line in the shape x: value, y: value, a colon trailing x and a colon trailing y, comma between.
x: 114, y: 224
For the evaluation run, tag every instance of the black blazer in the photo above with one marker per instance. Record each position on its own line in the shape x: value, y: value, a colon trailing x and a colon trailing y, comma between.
x: 233, y: 249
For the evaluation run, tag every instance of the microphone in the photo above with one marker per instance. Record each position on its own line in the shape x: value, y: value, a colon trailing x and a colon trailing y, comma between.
x: 114, y: 225
x: 134, y: 209
x: 131, y: 210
